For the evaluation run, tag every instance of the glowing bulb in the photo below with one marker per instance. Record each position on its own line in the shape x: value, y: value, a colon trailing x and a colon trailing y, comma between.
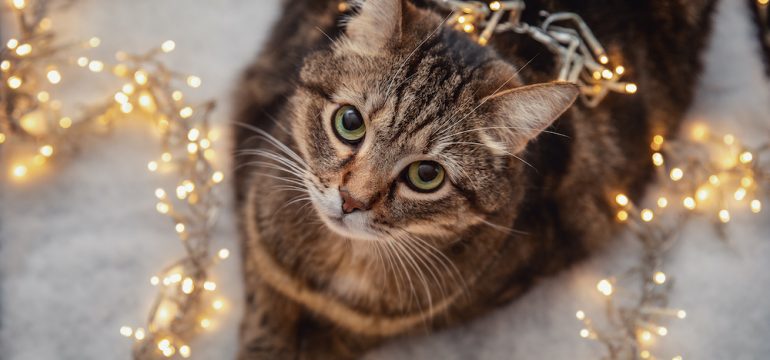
x: 152, y: 166
x: 139, y: 334
x: 756, y: 206
x: 177, y: 95
x: 128, y: 89
x: 154, y: 281
x: 120, y: 70
x: 192, y: 148
x: 724, y: 215
x: 580, y: 315
x: 607, y: 74
x: 714, y: 180
x: 193, y: 81
x: 740, y: 194
x: 96, y: 66
x: 5, y: 65
x: 676, y: 174
x: 621, y: 199
x: 689, y: 203
x: 121, y: 97
x: 126, y: 108
x: 179, y: 228
x: 14, y: 82
x: 662, y: 331
x: 702, y: 193
x: 647, y: 215
x: 168, y: 46
x: 54, y: 77
x: 620, y: 70
x: 205, y: 323
x: 631, y: 88
x: 657, y: 159
x: 584, y: 333
x: 659, y: 277
x: 46, y: 150
x: 2, y: 138
x: 217, y: 177
x: 218, y: 304
x: 43, y: 96
x: 193, y: 134
x: 746, y: 157
x: 622, y: 215
x: 645, y: 336
x: 188, y: 286
x: 65, y: 122
x: 19, y: 171
x: 94, y: 41
x: 699, y: 132
x: 681, y: 314
x: 162, y: 208
x: 605, y: 287
x: 19, y: 4
x: 140, y: 76
x: 495, y: 6
x: 205, y: 143
x: 603, y: 59
x: 146, y: 102
x: 184, y: 351
x: 210, y: 285
x: 82, y: 61
x: 24, y: 49
x: 223, y: 253
x: 729, y: 139
x: 662, y: 202
x: 644, y: 354
x: 469, y: 28
x: 186, y: 112
x: 166, y: 157
x: 126, y: 331
x: 657, y: 141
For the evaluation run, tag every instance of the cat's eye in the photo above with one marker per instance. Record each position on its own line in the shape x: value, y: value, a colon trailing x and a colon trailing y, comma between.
x: 424, y: 176
x: 349, y: 124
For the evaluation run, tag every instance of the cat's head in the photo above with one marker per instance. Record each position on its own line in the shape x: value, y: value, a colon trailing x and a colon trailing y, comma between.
x: 409, y: 128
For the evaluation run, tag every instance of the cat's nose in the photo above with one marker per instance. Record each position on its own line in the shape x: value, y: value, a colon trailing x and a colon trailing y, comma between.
x: 349, y: 203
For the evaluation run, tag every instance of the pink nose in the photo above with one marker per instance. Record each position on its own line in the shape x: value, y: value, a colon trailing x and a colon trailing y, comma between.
x: 349, y: 203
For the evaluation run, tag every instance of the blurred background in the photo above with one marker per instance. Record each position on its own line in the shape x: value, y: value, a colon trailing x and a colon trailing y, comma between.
x: 79, y: 242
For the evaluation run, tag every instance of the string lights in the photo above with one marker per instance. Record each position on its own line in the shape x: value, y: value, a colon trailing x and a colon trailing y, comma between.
x: 706, y: 175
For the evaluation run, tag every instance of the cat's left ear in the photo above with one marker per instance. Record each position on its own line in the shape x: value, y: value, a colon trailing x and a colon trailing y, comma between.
x: 378, y: 23
x: 524, y: 112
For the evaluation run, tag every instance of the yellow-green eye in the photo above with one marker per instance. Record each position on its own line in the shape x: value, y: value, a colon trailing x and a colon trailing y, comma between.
x: 349, y: 124
x: 425, y: 176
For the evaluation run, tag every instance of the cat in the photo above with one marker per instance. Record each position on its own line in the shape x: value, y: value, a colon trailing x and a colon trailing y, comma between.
x: 395, y: 177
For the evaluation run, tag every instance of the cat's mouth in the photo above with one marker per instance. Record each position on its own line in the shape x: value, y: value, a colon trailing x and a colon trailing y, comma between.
x: 355, y: 225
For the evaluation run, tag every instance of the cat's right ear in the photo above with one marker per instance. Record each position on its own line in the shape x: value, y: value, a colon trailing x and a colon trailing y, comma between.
x: 377, y: 24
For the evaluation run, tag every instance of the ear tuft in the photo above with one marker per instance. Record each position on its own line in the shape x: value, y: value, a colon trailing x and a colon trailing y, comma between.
x: 377, y: 23
x: 525, y: 112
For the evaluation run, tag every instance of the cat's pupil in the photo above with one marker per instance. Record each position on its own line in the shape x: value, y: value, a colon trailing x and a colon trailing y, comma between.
x: 351, y: 120
x: 428, y: 171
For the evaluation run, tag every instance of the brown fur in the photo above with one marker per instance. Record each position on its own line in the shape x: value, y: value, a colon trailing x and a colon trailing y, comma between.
x: 518, y: 204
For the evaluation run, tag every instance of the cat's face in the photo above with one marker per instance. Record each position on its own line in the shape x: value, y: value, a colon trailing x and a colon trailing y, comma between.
x: 409, y: 129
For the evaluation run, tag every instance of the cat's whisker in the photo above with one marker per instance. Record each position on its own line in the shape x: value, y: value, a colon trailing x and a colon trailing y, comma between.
x: 397, y: 256
x: 277, y: 143
x: 502, y: 228
x: 274, y: 167
x: 409, y: 257
x: 485, y: 145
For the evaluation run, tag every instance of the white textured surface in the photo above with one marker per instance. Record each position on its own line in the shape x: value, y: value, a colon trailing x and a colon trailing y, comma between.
x: 76, y: 250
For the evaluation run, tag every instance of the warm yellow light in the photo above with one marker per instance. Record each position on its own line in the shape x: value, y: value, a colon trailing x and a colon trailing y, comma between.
x: 54, y: 77
x: 181, y: 192
x: 210, y: 285
x: 657, y: 159
x: 186, y: 112
x: 177, y: 95
x: 469, y: 28
x: 662, y: 202
x: 679, y: 357
x: 605, y: 287
x: 644, y: 354
x: 128, y: 89
x: 662, y: 331
x: 152, y: 166
x: 147, y: 102
x: 166, y: 157
x: 94, y: 42
x: 645, y: 336
x: 702, y: 193
x: 659, y: 277
x: 120, y: 70
x: 205, y: 323
x: 620, y: 70
x: 192, y: 148
x: 647, y: 215
x: 740, y: 194
x: 681, y: 314
x: 193, y: 134
x: 218, y: 304
x: 24, y: 50
x: 154, y: 281
x: 729, y: 139
x: 746, y: 181
x: 2, y: 138
x: 19, y: 4
x: 96, y: 66
x: 658, y: 139
x: 209, y: 154
x: 162, y: 207
x: 205, y: 143
x: 121, y: 97
x: 580, y: 315
x: 584, y: 333
x: 699, y: 132
x: 160, y: 193
x: 495, y: 6
x: 714, y: 180
x: 184, y: 351
x: 676, y: 174
x: 622, y: 215
x: 756, y: 206
x: 179, y: 228
x: 724, y: 215
x: 689, y: 203
x: 65, y: 122
x: 19, y: 171
x: 188, y: 286
x: 168, y: 46
x: 763, y: 2
x: 223, y: 253
x: 126, y: 331
x: 14, y: 82
x: 140, y: 76
x: 603, y: 59
x: 139, y: 334
x: 12, y: 44
x: 126, y: 108
x: 217, y: 177
x: 746, y: 157
x: 46, y: 150
x: 621, y: 199
x: 43, y: 96
x: 631, y: 88
x: 193, y: 81
x: 607, y: 74
x: 82, y: 61
x: 5, y: 65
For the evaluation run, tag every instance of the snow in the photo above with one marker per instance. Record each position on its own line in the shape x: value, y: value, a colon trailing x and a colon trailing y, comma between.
x: 77, y: 249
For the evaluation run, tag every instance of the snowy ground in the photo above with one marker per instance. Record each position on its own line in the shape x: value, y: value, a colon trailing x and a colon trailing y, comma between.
x: 76, y: 250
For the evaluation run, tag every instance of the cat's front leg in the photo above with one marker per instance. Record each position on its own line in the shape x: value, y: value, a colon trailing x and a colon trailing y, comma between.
x: 269, y: 327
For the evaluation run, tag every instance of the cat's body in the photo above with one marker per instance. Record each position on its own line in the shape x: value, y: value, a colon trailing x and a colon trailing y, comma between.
x: 498, y: 224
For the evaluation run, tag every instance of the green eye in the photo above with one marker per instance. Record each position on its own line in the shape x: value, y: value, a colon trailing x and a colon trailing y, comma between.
x: 425, y: 176
x: 349, y: 124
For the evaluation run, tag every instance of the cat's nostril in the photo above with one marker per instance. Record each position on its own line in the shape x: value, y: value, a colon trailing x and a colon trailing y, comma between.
x: 349, y: 203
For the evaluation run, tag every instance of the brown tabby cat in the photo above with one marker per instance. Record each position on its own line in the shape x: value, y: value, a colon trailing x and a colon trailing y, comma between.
x: 395, y: 177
